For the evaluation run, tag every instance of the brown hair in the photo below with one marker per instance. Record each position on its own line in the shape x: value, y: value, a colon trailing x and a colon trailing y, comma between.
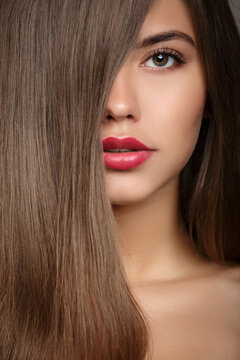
x: 63, y: 293
x: 209, y: 189
x: 63, y: 290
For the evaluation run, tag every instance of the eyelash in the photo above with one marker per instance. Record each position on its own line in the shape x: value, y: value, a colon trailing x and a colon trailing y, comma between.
x: 179, y: 58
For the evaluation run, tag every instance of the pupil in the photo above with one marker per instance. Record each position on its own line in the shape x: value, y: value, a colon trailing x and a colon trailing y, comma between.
x: 160, y: 59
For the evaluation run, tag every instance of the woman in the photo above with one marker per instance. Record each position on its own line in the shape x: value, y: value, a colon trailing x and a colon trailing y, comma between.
x: 119, y: 256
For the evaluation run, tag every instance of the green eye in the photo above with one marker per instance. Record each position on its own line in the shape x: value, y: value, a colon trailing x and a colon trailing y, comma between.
x: 164, y: 59
x: 160, y: 59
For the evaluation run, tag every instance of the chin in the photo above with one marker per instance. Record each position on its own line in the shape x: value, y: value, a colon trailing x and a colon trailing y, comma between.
x: 128, y: 196
x: 125, y: 200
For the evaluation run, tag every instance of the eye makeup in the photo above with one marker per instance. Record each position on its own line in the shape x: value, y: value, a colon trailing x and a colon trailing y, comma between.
x: 159, y: 57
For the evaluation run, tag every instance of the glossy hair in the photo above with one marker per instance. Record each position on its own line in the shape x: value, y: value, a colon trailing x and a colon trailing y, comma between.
x: 209, y: 189
x: 63, y: 290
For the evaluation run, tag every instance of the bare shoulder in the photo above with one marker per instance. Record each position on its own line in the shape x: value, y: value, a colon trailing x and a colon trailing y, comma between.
x: 201, y: 312
x: 226, y: 283
x: 227, y: 280
x: 229, y: 276
x: 232, y: 273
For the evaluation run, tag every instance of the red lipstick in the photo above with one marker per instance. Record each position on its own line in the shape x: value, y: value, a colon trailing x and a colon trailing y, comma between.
x: 124, y: 154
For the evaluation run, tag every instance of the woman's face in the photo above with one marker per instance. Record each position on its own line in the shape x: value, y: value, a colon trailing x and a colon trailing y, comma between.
x: 159, y: 100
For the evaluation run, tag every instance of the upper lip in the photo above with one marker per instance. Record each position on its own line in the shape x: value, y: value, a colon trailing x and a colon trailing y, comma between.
x: 126, y: 143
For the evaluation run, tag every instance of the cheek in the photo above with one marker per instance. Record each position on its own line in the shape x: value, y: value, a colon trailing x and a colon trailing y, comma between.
x: 176, y: 109
x: 181, y: 126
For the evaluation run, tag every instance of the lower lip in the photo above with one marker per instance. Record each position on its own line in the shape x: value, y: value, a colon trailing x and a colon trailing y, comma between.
x: 125, y: 161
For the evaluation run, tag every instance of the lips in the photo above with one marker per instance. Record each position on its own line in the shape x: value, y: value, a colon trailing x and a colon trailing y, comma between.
x: 130, y: 143
x: 134, y: 155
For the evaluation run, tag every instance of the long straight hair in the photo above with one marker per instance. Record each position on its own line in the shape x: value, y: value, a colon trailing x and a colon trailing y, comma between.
x: 209, y: 184
x: 63, y: 293
x: 63, y: 290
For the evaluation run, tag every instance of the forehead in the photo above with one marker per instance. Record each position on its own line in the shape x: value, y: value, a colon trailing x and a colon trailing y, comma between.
x: 167, y: 15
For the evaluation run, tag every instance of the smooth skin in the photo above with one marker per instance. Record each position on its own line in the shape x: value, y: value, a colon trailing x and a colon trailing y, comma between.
x: 193, y: 305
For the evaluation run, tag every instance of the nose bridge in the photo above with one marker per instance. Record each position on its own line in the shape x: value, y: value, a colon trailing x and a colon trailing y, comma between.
x: 120, y: 80
x: 122, y: 98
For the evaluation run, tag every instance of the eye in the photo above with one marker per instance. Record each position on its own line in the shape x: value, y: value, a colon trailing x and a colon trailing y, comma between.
x: 161, y: 60
x: 164, y: 59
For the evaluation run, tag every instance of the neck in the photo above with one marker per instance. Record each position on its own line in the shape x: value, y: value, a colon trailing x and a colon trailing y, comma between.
x: 153, y: 242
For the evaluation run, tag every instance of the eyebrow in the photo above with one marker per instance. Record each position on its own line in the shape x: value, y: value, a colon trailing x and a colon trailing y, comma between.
x: 164, y: 36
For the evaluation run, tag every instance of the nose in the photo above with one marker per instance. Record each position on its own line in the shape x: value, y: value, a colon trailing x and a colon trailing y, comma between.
x: 122, y: 100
